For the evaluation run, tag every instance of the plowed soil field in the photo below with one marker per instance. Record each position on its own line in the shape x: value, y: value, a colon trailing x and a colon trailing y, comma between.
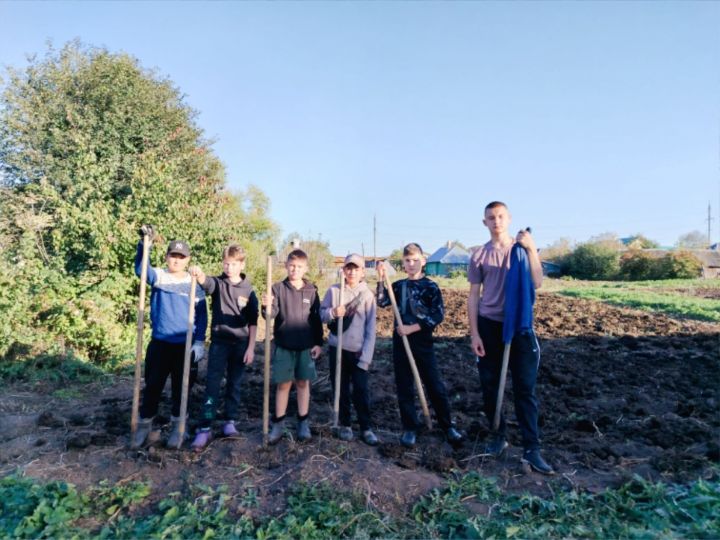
x: 622, y: 392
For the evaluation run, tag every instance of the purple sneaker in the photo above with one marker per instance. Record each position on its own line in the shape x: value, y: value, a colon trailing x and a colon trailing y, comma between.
x: 202, y: 439
x: 229, y: 429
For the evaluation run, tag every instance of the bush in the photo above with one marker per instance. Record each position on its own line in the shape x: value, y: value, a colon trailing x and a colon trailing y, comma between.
x: 639, y: 266
x: 592, y: 261
x: 680, y: 265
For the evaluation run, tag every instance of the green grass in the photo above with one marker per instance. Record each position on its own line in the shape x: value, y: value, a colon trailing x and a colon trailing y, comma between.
x: 673, y: 297
x: 469, y: 506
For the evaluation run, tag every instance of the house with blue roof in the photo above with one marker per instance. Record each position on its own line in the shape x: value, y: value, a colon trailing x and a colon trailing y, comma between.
x: 449, y: 258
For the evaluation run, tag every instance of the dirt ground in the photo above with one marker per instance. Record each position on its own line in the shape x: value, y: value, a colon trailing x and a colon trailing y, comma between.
x: 622, y: 392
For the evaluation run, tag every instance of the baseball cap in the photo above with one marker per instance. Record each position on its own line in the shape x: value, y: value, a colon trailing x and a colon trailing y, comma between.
x: 178, y: 247
x: 355, y: 259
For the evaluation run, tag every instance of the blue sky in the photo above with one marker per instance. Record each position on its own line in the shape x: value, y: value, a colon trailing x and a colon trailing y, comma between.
x: 585, y: 118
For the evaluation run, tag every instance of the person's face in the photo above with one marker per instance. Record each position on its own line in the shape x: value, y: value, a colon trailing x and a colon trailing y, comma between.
x: 413, y: 263
x: 296, y: 269
x: 353, y: 274
x: 233, y: 267
x: 497, y: 219
x: 176, y: 262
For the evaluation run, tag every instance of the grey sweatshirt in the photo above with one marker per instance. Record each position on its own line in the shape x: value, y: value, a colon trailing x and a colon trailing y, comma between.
x: 360, y: 335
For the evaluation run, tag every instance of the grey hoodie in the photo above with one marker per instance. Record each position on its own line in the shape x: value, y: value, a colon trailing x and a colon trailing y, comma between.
x: 359, y: 337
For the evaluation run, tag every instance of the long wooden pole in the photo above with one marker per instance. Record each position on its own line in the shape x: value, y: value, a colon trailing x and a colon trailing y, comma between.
x: 268, y: 337
x: 139, y: 340
x: 186, y: 365
x: 411, y: 358
x: 501, y: 387
x: 338, y: 356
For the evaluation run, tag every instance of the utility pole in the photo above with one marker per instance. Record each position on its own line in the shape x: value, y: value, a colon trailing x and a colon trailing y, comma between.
x: 709, y: 221
x: 375, y: 237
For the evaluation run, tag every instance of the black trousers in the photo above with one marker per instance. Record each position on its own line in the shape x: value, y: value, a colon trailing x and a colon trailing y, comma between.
x: 523, y: 365
x: 351, y: 376
x: 224, y: 360
x: 163, y: 359
x: 424, y: 354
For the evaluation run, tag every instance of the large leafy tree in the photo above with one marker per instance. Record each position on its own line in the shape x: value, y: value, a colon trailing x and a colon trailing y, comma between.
x: 91, y: 146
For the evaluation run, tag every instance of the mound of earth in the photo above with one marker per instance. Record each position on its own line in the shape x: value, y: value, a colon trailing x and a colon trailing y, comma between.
x: 622, y: 392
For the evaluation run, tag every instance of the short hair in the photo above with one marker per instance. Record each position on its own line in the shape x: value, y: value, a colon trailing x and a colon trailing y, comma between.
x: 298, y: 254
x: 233, y: 251
x: 412, y: 249
x: 495, y: 204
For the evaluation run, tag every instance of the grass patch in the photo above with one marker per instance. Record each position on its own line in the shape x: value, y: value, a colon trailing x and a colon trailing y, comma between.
x: 675, y: 297
x: 470, y: 506
x: 53, y: 368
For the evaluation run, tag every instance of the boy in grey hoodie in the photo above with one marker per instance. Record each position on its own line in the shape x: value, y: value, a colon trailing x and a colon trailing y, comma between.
x: 358, y: 312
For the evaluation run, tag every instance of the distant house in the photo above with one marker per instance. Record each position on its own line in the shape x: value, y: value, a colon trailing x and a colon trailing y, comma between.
x: 447, y: 259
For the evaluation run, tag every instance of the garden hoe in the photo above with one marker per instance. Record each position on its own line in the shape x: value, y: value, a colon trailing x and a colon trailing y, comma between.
x: 186, y: 365
x: 338, y: 359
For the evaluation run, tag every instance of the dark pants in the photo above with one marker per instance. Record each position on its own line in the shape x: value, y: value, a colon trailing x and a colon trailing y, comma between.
x: 163, y: 359
x: 224, y: 360
x: 422, y: 349
x: 351, y: 375
x: 523, y: 365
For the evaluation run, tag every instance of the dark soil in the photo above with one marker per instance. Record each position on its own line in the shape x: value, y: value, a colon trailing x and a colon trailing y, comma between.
x: 622, y: 392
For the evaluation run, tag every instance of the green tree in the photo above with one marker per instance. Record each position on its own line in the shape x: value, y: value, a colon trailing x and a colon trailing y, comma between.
x: 639, y: 241
x: 321, y: 266
x: 593, y: 260
x: 91, y: 146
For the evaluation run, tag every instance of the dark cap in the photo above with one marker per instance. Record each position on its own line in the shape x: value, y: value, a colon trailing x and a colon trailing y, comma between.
x: 355, y: 259
x: 178, y: 247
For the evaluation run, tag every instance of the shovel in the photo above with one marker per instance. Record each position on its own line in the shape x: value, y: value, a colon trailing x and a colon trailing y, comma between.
x: 338, y: 359
x: 268, y: 337
x: 139, y: 341
x: 186, y: 364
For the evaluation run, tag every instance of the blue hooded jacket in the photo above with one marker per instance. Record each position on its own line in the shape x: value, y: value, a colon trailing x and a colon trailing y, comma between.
x: 519, y: 295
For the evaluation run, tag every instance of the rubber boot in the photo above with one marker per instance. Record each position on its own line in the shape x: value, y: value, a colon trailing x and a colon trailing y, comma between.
x: 303, y: 430
x: 276, y: 433
x: 144, y: 428
x: 174, y: 440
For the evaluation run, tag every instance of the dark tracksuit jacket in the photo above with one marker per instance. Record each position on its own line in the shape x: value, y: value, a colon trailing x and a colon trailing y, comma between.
x: 234, y: 311
x: 297, y: 316
x: 419, y: 301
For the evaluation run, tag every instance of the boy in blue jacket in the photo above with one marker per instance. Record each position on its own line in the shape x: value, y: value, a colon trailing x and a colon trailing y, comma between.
x: 165, y: 355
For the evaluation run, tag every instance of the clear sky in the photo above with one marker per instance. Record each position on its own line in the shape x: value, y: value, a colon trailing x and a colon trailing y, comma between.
x: 583, y: 117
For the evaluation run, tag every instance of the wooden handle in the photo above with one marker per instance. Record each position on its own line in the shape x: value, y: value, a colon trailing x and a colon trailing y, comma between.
x: 186, y: 365
x: 411, y: 358
x: 139, y: 340
x: 338, y: 356
x: 501, y: 387
x: 268, y: 336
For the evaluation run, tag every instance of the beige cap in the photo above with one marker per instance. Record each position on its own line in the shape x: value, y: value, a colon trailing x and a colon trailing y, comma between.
x: 355, y: 259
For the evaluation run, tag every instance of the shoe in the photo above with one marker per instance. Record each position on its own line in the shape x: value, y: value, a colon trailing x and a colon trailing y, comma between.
x: 496, y: 446
x: 175, y: 440
x: 229, y: 429
x: 144, y: 428
x: 454, y: 436
x: 277, y: 431
x: 536, y: 462
x: 202, y: 439
x: 345, y: 433
x: 408, y: 439
x: 369, y: 438
x: 303, y: 430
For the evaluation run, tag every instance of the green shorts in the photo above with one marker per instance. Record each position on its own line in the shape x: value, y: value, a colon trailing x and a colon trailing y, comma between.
x: 290, y: 365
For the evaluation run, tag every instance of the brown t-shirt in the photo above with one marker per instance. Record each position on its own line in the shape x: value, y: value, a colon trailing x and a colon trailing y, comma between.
x: 489, y: 266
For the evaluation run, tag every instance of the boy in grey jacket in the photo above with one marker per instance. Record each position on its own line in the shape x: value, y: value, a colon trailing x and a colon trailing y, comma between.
x: 358, y: 312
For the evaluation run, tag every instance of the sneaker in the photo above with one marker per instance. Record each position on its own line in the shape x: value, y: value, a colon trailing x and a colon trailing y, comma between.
x: 303, y: 430
x: 536, y: 462
x: 277, y: 431
x: 496, y: 446
x: 175, y: 440
x: 202, y: 439
x: 408, y: 439
x: 345, y: 433
x: 454, y: 436
x: 229, y: 429
x: 141, y: 434
x: 369, y: 438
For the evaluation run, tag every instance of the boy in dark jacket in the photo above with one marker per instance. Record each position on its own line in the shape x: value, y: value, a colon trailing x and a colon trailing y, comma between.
x: 169, y: 307
x: 232, y: 341
x: 298, y: 339
x: 421, y: 307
